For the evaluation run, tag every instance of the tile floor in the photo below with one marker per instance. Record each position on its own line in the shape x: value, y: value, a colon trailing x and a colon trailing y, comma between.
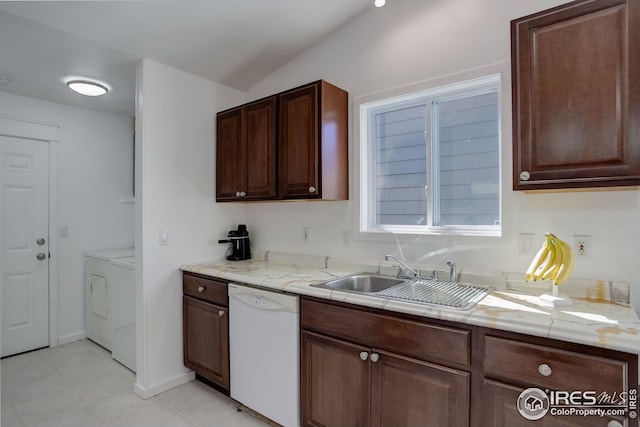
x: 79, y: 385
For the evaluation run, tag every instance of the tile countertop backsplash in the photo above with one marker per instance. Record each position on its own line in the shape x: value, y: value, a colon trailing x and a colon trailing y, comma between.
x: 600, y: 315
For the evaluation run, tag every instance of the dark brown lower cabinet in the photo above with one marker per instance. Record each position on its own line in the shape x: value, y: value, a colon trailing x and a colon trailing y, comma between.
x: 346, y: 384
x: 335, y: 382
x: 412, y: 393
x: 206, y: 340
x: 205, y: 327
x: 361, y: 368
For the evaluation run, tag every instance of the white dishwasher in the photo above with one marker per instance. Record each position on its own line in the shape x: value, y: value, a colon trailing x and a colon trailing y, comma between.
x: 264, y: 337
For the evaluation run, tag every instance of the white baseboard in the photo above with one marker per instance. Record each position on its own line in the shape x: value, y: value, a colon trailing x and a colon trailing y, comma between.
x: 146, y: 393
x: 70, y: 338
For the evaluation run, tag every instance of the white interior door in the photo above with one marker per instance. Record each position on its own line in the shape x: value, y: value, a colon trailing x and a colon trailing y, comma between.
x: 24, y: 241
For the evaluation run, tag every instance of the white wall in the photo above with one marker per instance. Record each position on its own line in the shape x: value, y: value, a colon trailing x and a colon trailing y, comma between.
x: 175, y: 182
x: 406, y: 42
x: 95, y: 164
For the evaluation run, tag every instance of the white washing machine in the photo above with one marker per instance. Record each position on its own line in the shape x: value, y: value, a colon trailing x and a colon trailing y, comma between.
x: 122, y: 299
x: 96, y: 293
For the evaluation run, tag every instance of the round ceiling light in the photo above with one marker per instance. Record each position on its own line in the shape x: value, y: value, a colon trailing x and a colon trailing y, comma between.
x: 379, y: 3
x: 87, y: 88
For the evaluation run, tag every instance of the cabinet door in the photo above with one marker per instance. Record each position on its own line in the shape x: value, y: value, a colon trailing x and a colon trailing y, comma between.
x: 298, y: 143
x: 576, y: 96
x: 260, y: 138
x: 411, y: 393
x: 206, y: 340
x: 499, y: 409
x: 335, y: 382
x: 230, y: 154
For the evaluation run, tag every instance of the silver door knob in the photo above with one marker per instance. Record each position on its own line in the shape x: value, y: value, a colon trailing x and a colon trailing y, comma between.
x: 525, y: 175
x: 375, y: 357
x: 237, y: 194
x: 312, y: 189
x: 364, y: 355
x: 41, y: 256
x: 221, y: 313
x: 40, y: 241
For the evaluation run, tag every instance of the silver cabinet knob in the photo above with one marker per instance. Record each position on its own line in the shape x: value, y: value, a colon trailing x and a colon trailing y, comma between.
x: 525, y: 175
x: 201, y: 288
x: 312, y: 189
x: 545, y: 370
x: 40, y: 242
x: 221, y: 313
x: 375, y: 357
x: 237, y: 194
x: 242, y: 194
x: 41, y: 256
x: 364, y: 355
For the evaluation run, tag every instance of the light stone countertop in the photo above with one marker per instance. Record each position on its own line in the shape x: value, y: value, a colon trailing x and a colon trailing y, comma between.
x: 600, y: 315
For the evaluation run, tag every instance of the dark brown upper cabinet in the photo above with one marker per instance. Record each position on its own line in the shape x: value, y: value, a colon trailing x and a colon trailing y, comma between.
x: 312, y: 143
x: 246, y: 152
x: 292, y: 145
x: 576, y: 96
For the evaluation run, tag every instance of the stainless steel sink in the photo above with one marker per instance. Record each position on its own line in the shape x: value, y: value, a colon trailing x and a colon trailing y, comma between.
x: 422, y: 291
x: 367, y: 283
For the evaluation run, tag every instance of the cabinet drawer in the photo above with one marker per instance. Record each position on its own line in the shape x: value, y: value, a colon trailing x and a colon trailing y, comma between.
x: 408, y: 337
x: 525, y: 363
x: 205, y: 289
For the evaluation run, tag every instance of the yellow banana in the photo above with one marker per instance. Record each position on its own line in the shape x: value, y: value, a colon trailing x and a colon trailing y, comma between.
x: 537, y: 260
x: 548, y: 260
x: 558, y: 258
x: 566, y: 268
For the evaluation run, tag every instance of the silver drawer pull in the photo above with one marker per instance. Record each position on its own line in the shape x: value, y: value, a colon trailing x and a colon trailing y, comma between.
x: 364, y: 355
x: 545, y: 370
x: 201, y: 289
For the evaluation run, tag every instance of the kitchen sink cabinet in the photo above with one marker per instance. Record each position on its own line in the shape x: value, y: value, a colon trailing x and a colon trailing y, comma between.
x: 360, y: 368
x: 336, y: 382
x: 514, y: 362
x: 312, y: 142
x: 246, y: 152
x: 292, y: 145
x: 576, y: 96
x: 206, y: 328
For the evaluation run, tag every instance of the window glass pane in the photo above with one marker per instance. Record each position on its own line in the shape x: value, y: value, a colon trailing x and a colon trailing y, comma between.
x: 468, y: 138
x: 401, y: 165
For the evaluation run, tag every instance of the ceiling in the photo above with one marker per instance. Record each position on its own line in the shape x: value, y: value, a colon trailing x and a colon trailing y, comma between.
x: 234, y: 42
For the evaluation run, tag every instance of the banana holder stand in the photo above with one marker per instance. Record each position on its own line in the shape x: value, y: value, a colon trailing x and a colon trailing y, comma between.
x: 554, y: 261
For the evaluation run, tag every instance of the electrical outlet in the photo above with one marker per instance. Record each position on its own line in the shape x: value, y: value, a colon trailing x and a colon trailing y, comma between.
x: 527, y: 242
x: 582, y: 245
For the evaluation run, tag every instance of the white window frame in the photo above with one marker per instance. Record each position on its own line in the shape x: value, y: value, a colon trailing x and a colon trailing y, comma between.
x: 445, y: 87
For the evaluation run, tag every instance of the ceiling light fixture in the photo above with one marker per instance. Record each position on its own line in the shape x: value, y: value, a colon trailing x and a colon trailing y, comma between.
x: 379, y: 3
x: 87, y: 88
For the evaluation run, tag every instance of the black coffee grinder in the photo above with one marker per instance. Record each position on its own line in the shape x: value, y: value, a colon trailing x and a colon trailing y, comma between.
x: 239, y: 240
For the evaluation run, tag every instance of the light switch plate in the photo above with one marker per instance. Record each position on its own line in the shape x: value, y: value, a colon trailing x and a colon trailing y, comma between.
x: 163, y: 237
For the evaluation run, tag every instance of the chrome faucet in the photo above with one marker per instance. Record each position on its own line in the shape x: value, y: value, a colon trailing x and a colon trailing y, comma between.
x: 453, y: 276
x: 403, y: 268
